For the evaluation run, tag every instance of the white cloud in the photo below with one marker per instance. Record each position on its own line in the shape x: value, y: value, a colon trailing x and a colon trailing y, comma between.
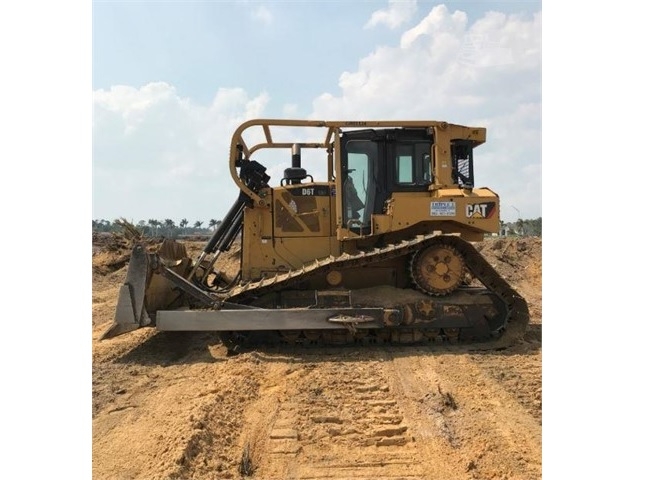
x: 484, y: 74
x: 439, y: 20
x: 262, y: 14
x: 396, y: 14
x: 158, y: 153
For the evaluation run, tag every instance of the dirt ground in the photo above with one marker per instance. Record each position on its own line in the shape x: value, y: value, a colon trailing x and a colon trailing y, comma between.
x: 174, y: 406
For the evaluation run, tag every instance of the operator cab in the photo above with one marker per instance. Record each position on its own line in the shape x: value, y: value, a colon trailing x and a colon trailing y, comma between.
x: 377, y: 163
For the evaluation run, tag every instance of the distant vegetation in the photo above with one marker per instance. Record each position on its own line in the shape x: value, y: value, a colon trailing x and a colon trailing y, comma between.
x: 532, y: 228
x: 170, y: 229
x: 158, y: 228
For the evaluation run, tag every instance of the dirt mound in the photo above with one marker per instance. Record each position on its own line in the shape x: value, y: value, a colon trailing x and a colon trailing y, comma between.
x: 515, y: 258
x: 111, y: 252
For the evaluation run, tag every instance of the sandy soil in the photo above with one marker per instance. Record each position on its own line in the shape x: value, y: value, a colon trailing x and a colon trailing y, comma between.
x: 174, y: 406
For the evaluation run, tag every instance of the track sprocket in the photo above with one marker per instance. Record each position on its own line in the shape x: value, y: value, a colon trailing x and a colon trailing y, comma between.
x: 438, y: 269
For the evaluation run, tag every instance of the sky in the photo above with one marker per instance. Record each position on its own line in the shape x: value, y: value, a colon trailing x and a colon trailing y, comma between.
x: 172, y: 80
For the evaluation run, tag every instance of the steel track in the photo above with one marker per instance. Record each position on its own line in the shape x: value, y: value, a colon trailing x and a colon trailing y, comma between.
x: 509, y: 332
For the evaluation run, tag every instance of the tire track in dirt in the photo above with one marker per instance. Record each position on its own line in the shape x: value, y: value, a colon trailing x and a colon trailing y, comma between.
x: 327, y: 415
x: 393, y: 412
x: 487, y: 432
x: 522, y: 379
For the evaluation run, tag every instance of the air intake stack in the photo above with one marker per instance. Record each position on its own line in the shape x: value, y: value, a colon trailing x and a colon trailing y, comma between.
x: 295, y: 174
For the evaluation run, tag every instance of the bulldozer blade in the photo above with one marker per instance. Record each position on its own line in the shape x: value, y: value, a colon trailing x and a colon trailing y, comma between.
x: 130, y: 312
x: 268, y: 319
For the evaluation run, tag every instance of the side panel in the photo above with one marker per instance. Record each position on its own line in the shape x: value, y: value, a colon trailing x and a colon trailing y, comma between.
x: 278, y: 255
x: 302, y: 210
x: 295, y: 229
x: 478, y: 210
x: 297, y: 251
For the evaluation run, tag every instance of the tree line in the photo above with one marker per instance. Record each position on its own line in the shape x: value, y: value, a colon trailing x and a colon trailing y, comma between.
x: 532, y: 227
x: 159, y: 228
x: 168, y: 227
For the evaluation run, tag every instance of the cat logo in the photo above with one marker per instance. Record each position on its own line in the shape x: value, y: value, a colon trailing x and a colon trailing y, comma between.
x: 480, y: 210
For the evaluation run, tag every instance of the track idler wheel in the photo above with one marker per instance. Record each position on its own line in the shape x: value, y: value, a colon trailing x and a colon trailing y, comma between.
x: 452, y: 334
x: 438, y: 269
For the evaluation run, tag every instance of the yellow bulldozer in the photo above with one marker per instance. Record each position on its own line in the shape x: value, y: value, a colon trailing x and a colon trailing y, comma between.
x: 373, y: 244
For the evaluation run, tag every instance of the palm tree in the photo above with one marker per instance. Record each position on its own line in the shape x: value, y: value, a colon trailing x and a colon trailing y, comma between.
x: 519, y: 226
x: 213, y: 223
x: 198, y: 224
x: 169, y: 224
x: 104, y: 225
x: 154, y: 224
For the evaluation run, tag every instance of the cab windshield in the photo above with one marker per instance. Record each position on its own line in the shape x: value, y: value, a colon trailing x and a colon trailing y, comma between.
x: 358, y: 183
